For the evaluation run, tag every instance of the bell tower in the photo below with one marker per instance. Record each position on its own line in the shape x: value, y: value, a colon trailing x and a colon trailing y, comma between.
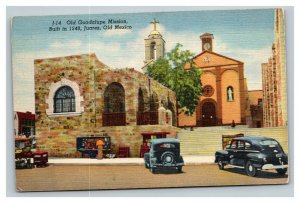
x: 207, y: 41
x: 154, y: 45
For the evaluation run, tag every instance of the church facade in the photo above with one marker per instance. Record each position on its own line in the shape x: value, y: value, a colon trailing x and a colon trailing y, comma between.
x: 80, y: 96
x: 223, y: 97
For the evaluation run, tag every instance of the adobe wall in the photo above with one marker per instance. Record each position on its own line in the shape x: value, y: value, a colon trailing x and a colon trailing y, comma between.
x: 254, y: 95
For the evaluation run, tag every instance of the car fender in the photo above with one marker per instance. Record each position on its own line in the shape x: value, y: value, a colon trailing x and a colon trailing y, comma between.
x: 221, y: 154
x: 152, y: 161
x: 147, y: 158
x: 255, y: 159
x: 253, y: 156
x: 181, y: 159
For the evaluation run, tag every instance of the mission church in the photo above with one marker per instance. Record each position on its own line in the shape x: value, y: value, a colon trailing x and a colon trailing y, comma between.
x: 223, y: 98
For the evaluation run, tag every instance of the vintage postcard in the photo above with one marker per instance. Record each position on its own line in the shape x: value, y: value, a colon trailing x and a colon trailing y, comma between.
x: 150, y: 100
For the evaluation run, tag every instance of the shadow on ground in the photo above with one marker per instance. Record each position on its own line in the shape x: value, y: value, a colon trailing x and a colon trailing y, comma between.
x: 260, y: 174
x: 168, y: 171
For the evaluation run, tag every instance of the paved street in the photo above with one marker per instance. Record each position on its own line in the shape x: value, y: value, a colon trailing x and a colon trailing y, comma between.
x: 111, y: 177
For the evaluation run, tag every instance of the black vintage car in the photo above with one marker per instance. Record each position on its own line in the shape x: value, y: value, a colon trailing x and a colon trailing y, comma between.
x: 164, y: 153
x: 253, y: 154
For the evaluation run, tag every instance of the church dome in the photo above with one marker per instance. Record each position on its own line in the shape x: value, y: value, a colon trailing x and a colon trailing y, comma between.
x: 154, y: 32
x: 206, y: 34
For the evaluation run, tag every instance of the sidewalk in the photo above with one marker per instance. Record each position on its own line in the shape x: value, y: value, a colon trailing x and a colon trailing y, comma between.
x: 188, y: 160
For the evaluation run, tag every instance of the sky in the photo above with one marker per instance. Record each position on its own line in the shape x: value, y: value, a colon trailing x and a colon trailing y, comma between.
x: 245, y: 35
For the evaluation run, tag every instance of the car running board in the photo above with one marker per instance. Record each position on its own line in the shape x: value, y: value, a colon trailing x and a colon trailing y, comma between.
x: 235, y: 166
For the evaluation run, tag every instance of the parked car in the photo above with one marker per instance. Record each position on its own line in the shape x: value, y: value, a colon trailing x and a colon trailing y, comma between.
x: 253, y: 154
x: 164, y: 153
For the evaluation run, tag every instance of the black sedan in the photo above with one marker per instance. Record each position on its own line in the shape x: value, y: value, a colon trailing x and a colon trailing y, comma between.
x: 253, y: 154
x: 164, y: 153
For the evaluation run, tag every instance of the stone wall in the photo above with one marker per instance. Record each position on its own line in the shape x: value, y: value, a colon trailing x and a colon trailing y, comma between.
x: 57, y: 132
x: 62, y: 143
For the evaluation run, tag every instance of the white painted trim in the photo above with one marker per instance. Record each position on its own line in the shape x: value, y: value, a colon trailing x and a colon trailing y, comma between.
x: 78, y: 98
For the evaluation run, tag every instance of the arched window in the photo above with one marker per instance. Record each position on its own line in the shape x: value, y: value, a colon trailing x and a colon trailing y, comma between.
x: 114, y: 98
x: 147, y: 108
x: 171, y: 107
x: 230, y: 93
x: 153, y: 50
x: 141, y: 101
x: 114, y: 105
x: 154, y: 103
x: 64, y: 100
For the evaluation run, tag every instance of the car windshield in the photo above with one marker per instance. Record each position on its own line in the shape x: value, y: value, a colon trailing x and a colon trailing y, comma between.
x: 270, y: 146
x: 166, y: 146
x: 269, y: 143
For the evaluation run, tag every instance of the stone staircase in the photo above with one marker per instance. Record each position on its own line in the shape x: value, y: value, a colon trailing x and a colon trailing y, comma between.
x: 207, y: 140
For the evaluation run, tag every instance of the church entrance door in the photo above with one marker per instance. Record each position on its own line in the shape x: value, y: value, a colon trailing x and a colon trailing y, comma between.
x: 208, y: 116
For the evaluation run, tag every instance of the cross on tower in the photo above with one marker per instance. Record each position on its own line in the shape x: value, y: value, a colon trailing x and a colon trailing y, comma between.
x: 154, y: 22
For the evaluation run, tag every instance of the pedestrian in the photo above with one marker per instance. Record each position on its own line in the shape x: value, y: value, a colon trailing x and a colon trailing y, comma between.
x: 100, y: 144
x: 233, y: 124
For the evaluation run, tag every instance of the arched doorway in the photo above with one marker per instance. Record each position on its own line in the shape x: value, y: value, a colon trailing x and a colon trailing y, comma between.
x: 208, y: 114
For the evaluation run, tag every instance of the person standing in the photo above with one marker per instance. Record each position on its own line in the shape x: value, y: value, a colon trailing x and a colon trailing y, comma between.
x: 233, y: 124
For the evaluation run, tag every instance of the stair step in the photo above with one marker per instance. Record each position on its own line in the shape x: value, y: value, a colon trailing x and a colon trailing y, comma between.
x: 207, y: 140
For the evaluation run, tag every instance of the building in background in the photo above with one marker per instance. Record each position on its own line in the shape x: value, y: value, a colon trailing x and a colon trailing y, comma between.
x: 223, y: 99
x: 154, y: 46
x: 256, y: 108
x: 274, y: 78
x: 24, y: 124
x: 247, y: 104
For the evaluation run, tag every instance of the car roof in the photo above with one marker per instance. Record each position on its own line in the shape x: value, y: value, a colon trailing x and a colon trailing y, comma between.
x: 253, y: 138
x: 164, y: 140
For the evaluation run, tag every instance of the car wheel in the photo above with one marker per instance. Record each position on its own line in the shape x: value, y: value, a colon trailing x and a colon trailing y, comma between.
x: 179, y: 169
x: 167, y: 157
x: 221, y: 164
x: 250, y: 169
x: 281, y: 171
x: 146, y: 165
x: 153, y: 170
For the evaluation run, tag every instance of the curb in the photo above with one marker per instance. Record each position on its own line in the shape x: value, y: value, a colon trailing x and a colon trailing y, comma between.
x: 122, y: 164
x: 96, y: 164
x: 188, y: 161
